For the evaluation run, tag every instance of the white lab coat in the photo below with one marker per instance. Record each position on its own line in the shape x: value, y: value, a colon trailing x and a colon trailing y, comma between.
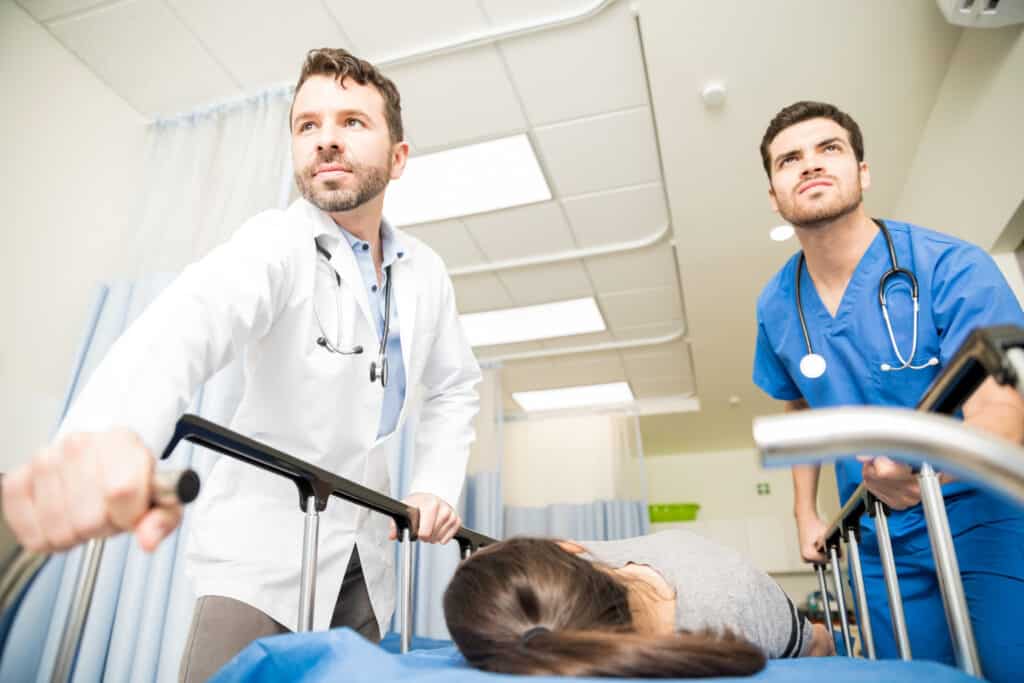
x: 252, y: 298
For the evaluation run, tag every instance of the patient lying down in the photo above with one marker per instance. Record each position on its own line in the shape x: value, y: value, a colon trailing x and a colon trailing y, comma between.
x: 671, y: 604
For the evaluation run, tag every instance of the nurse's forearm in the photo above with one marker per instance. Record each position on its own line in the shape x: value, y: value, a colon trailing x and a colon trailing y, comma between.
x: 805, y: 491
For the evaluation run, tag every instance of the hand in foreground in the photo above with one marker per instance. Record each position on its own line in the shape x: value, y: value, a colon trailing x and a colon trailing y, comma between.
x: 810, y: 531
x: 85, y: 486
x: 438, y: 520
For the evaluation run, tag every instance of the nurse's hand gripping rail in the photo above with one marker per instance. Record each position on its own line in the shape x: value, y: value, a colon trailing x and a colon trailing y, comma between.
x: 819, y: 435
x: 315, y: 486
x: 19, y: 568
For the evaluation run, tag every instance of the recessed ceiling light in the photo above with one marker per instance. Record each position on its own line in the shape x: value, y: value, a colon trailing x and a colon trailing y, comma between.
x: 543, y: 321
x: 487, y: 176
x: 781, y: 233
x: 574, y: 397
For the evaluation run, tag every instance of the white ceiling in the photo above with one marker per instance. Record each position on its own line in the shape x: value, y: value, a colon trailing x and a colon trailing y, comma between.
x: 580, y: 92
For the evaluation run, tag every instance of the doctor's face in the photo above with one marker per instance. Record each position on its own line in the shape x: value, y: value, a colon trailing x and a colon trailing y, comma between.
x: 815, y: 175
x: 342, y: 151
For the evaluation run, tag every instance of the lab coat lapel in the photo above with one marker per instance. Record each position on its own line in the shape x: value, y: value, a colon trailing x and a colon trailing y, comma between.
x: 406, y: 296
x: 343, y: 261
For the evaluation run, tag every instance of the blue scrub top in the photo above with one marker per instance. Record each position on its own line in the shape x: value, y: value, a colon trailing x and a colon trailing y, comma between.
x: 960, y: 289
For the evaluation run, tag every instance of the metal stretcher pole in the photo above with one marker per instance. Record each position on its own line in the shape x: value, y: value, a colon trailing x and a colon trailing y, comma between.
x: 837, y: 579
x: 307, y: 584
x: 948, y: 571
x: 864, y: 623
x: 892, y: 581
x: 85, y: 586
x: 406, y: 618
x: 819, y: 569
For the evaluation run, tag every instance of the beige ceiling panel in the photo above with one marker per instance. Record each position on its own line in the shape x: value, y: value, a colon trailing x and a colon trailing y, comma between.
x: 484, y: 292
x: 640, y: 269
x: 544, y: 284
x: 654, y: 388
x: 449, y: 239
x: 659, y: 329
x: 582, y: 69
x: 283, y: 31
x: 495, y: 350
x: 599, y: 153
x: 563, y: 373
x: 147, y: 55
x: 577, y: 340
x: 669, y: 360
x: 457, y: 98
x: 45, y: 10
x: 521, y: 231
x: 622, y: 215
x: 505, y: 14
x: 641, y: 307
x: 386, y: 29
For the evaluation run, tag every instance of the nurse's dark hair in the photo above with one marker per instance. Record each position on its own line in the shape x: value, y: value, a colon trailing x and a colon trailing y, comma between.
x: 581, y: 620
x: 342, y: 64
x: 798, y: 112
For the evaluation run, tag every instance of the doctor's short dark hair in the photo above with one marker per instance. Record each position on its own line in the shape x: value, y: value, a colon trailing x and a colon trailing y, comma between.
x: 798, y: 112
x: 342, y: 64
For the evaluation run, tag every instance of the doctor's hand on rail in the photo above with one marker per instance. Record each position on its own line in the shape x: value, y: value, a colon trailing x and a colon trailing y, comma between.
x: 85, y: 486
x: 438, y: 520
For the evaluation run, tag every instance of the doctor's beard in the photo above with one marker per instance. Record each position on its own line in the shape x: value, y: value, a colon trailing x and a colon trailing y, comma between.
x: 821, y: 215
x: 331, y: 197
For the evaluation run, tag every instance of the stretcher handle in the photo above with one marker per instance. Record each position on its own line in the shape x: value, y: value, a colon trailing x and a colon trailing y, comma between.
x: 311, y: 481
x: 19, y: 567
x: 985, y: 353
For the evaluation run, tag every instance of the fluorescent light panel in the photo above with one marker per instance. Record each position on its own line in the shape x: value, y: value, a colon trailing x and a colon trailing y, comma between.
x: 457, y: 182
x: 574, y: 397
x: 543, y: 321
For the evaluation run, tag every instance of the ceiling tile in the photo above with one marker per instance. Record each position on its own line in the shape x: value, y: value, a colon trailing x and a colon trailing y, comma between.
x: 653, y: 388
x: 641, y: 307
x: 621, y: 215
x: 44, y: 10
x: 147, y: 55
x: 581, y: 69
x: 639, y: 269
x: 669, y: 360
x: 386, y: 29
x: 456, y: 98
x: 521, y: 231
x: 544, y: 284
x: 495, y: 350
x: 284, y: 32
x: 577, y: 340
x: 565, y: 372
x: 450, y: 240
x: 505, y: 15
x: 599, y: 153
x: 652, y: 331
x: 483, y: 292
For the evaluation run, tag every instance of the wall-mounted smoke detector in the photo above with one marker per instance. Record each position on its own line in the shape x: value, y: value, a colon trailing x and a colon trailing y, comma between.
x: 982, y: 13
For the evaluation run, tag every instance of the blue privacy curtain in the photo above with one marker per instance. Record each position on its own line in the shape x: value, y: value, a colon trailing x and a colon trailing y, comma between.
x: 577, y: 477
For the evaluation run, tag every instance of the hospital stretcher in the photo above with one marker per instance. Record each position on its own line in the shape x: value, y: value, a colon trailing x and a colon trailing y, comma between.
x: 812, y: 436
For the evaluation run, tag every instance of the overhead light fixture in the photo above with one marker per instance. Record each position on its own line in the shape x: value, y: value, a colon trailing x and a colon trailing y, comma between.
x: 491, y: 175
x: 574, y: 397
x: 527, y: 323
x: 781, y: 233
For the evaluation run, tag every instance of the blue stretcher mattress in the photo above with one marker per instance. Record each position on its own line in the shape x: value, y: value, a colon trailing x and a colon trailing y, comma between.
x: 343, y: 655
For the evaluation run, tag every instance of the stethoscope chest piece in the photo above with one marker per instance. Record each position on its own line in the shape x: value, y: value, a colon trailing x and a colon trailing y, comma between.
x: 812, y: 366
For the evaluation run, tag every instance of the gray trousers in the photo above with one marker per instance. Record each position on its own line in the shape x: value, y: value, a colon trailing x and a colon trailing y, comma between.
x: 223, y: 627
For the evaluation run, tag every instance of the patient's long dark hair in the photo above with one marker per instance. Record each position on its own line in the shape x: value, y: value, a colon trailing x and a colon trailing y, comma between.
x: 503, y: 591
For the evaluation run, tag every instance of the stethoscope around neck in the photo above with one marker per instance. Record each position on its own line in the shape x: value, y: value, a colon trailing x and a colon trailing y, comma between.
x: 379, y: 368
x: 813, y: 365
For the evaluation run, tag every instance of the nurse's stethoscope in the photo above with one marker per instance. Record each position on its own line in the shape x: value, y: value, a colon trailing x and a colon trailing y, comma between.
x: 813, y: 365
x: 379, y: 368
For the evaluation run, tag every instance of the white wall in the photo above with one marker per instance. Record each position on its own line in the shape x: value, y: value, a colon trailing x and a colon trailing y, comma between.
x: 72, y: 158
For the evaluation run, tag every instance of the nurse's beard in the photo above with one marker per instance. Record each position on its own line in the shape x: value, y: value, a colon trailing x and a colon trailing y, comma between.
x: 822, y: 216
x: 371, y: 181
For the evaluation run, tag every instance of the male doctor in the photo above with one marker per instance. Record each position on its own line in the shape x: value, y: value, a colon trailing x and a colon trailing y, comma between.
x: 813, y: 154
x: 294, y: 294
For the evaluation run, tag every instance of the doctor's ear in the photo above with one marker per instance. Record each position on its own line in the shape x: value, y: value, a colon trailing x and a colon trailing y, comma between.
x: 771, y: 199
x: 865, y: 175
x: 399, y: 156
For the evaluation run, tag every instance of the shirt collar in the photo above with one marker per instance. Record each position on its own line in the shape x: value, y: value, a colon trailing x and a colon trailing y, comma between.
x: 392, y: 245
